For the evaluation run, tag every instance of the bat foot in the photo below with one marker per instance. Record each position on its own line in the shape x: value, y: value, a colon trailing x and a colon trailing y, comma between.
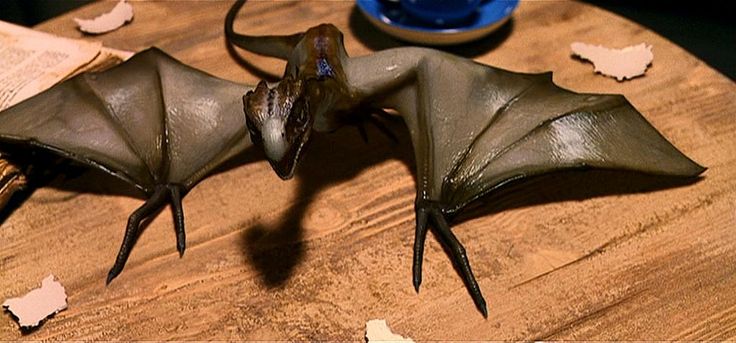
x: 175, y: 193
x: 375, y: 116
x: 161, y: 194
x: 432, y: 212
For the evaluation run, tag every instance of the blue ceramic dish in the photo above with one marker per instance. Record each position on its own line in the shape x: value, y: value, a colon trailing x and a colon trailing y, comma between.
x: 389, y: 17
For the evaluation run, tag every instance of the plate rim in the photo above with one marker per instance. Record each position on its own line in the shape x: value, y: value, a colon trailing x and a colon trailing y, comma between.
x: 363, y: 5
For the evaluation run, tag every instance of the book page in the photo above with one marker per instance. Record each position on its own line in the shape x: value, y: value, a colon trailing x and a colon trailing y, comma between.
x: 107, y: 58
x: 32, y: 61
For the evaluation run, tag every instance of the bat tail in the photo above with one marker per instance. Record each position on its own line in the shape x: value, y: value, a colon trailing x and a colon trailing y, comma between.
x: 273, y: 46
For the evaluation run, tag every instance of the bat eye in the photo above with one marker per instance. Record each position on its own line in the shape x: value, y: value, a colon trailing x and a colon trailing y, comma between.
x: 255, y: 136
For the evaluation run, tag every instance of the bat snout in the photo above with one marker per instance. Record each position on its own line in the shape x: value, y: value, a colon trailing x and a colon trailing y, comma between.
x: 279, y: 151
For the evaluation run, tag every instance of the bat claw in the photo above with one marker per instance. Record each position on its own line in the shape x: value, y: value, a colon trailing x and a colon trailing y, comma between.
x: 155, y: 202
x: 427, y: 211
x: 419, y: 237
x: 178, y: 212
x: 112, y: 274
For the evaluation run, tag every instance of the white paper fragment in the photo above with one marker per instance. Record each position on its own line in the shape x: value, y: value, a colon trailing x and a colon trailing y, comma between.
x: 39, y: 303
x: 120, y: 14
x: 376, y: 330
x: 626, y: 63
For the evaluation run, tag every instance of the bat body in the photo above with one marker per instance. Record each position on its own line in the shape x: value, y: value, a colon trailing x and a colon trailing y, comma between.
x: 473, y: 127
x: 163, y: 126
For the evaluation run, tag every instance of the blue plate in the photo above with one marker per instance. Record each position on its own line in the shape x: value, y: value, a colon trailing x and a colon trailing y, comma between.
x: 392, y: 19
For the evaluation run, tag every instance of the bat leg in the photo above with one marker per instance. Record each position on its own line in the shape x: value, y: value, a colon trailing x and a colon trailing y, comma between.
x: 361, y: 130
x: 375, y: 118
x: 431, y: 212
x: 178, y: 211
x: 156, y: 201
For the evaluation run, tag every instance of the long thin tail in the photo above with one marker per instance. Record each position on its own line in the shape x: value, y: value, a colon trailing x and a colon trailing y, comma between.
x: 274, y: 46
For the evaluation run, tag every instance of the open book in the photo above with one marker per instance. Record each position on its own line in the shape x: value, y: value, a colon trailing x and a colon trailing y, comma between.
x: 33, y: 61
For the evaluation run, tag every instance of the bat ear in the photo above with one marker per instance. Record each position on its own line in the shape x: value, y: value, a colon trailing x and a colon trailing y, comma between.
x: 261, y: 90
x: 256, y: 105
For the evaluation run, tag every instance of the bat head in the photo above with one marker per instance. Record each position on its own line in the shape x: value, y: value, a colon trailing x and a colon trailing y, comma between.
x: 280, y: 122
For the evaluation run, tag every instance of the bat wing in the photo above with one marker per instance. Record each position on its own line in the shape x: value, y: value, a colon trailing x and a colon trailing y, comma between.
x: 151, y: 121
x: 530, y: 126
x: 476, y: 127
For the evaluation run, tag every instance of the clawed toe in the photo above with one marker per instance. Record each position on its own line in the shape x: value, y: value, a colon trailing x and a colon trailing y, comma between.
x: 431, y: 212
x: 160, y: 195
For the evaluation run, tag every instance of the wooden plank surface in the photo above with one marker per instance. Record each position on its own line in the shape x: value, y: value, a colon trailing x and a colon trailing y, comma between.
x: 583, y: 255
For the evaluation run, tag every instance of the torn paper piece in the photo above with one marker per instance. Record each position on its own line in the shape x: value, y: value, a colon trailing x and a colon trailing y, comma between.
x: 376, y: 330
x: 39, y: 303
x: 117, y: 17
x: 626, y: 63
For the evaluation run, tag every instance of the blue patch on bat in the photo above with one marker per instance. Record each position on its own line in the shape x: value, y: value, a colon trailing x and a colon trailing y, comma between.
x: 324, y: 68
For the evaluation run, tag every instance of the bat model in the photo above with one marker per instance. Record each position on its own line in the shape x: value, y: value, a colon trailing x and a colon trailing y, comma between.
x: 163, y: 126
x: 473, y: 127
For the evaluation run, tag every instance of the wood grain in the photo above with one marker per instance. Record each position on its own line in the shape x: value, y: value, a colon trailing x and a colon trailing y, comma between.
x: 582, y: 255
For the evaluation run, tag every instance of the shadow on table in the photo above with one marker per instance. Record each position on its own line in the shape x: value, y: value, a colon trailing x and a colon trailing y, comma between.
x: 568, y: 185
x: 330, y: 159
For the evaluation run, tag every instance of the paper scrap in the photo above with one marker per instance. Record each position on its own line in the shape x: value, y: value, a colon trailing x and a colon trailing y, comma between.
x: 39, y: 303
x: 622, y: 64
x: 121, y: 14
x: 376, y: 330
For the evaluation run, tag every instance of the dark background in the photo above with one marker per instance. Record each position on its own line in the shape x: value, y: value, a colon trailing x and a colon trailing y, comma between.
x: 705, y: 28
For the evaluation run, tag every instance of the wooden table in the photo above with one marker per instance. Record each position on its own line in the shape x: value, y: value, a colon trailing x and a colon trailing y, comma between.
x: 590, y: 255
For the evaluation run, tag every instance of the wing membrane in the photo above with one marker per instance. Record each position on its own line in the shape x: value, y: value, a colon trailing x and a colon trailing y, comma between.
x: 150, y: 121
